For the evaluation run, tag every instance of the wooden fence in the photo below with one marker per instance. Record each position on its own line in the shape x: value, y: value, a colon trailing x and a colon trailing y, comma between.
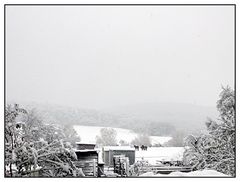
x: 89, y: 167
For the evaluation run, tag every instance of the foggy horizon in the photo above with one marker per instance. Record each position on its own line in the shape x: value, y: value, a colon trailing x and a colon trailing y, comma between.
x: 102, y: 57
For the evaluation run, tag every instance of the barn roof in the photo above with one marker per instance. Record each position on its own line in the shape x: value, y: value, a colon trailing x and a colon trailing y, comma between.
x: 86, y: 143
x: 127, y: 148
x: 87, y: 150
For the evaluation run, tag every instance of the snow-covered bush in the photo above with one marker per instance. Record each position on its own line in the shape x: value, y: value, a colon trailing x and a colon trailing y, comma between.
x: 33, y: 148
x: 139, y: 168
x: 216, y: 149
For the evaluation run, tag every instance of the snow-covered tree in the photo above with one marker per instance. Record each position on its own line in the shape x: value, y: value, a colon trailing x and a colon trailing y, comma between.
x: 123, y: 143
x: 33, y: 148
x: 70, y: 135
x: 141, y: 139
x: 177, y: 139
x: 216, y: 149
x: 107, y: 137
x: 12, y: 137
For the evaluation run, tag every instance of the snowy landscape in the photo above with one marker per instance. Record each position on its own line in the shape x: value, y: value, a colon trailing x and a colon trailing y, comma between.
x: 88, y: 135
x: 155, y: 154
x: 119, y: 91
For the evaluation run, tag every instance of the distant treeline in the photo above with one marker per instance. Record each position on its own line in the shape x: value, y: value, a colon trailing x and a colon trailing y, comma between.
x: 72, y: 116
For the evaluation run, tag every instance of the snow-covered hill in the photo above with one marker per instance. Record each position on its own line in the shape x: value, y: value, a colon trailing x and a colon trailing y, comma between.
x: 88, y: 134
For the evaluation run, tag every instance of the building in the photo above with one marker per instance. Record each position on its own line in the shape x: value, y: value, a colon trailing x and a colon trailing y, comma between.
x: 110, y: 151
x: 85, y: 146
x: 87, y: 159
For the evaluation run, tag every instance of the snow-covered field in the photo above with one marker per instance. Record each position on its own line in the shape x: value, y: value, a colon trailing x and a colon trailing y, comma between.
x: 155, y: 154
x: 88, y: 134
x: 206, y: 173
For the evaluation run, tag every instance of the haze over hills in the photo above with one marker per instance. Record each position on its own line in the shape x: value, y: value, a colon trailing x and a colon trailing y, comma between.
x: 180, y: 115
x: 159, y: 119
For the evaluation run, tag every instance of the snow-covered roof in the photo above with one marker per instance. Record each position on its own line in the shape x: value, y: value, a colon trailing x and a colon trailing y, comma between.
x: 86, y: 143
x: 87, y: 150
x: 107, y: 148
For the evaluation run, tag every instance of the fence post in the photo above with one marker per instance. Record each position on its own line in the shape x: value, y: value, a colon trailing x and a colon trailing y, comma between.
x: 127, y: 166
x: 94, y: 167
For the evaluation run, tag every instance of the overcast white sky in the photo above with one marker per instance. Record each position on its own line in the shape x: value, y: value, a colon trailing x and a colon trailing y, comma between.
x: 103, y: 56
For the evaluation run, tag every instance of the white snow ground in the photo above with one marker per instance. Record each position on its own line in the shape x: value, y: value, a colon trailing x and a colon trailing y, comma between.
x: 206, y: 173
x: 88, y: 134
x: 155, y: 154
